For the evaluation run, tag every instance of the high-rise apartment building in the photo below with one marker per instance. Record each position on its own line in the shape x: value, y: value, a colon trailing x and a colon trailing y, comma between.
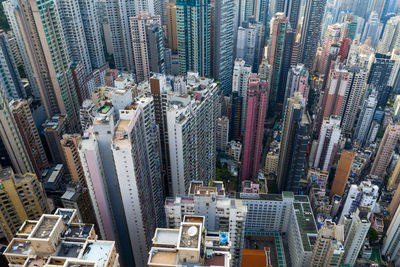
x: 60, y: 239
x: 191, y: 125
x: 366, y: 116
x: 257, y: 104
x: 250, y: 43
x: 353, y: 98
x: 328, y: 247
x: 379, y: 75
x: 342, y: 172
x: 279, y: 25
x: 135, y: 150
x: 240, y: 80
x: 386, y: 148
x: 364, y: 196
x: 332, y: 37
x: 391, y: 248
x: 98, y: 164
x: 30, y: 135
x: 294, y: 142
x: 46, y: 48
x: 356, y: 226
x: 23, y: 198
x: 297, y: 81
x: 391, y: 36
x: 372, y: 30
x: 194, y: 36
x: 9, y: 77
x: 224, y: 29
x: 336, y: 92
x: 118, y: 14
x: 12, y: 140
x: 222, y: 133
x: 54, y: 129
x: 148, y: 47
x: 311, y: 30
x: 328, y: 143
x: 82, y: 33
x: 172, y: 27
x: 70, y: 144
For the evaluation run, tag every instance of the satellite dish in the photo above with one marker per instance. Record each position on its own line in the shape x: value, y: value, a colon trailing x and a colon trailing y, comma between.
x: 192, y: 231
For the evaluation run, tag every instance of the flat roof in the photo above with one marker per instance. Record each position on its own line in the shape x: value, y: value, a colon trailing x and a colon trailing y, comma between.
x: 35, y: 262
x: 79, y: 230
x: 190, y: 235
x: 306, y: 223
x: 27, y: 227
x: 69, y: 249
x: 19, y: 247
x: 45, y: 226
x: 65, y: 213
x: 166, y: 236
x: 97, y: 252
x: 163, y: 257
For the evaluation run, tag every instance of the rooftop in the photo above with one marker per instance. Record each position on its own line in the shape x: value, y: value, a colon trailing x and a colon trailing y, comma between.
x: 27, y: 227
x: 166, y: 236
x: 193, y: 219
x: 190, y: 235
x: 69, y: 249
x: 79, y: 230
x: 98, y: 251
x: 163, y: 256
x: 66, y: 214
x: 35, y: 262
x: 306, y: 224
x: 19, y: 247
x: 45, y: 226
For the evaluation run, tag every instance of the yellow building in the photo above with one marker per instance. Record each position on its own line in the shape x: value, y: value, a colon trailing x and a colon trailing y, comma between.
x: 21, y: 198
x: 69, y: 144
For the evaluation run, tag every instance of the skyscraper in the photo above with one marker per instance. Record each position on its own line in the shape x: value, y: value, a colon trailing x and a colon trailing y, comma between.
x: 9, y: 77
x: 311, y: 30
x: 47, y: 51
x: 224, y: 30
x: 356, y: 226
x: 372, y: 30
x: 137, y: 163
x: 297, y: 81
x: 390, y: 244
x: 391, y: 36
x: 82, y: 33
x: 240, y: 80
x: 379, y: 75
x: 328, y: 142
x: 294, y: 142
x: 257, y: 103
x: 191, y: 125
x: 12, y: 139
x: 118, y: 13
x: 279, y: 25
x: 194, y: 36
x: 148, y: 47
x: 16, y: 208
x: 342, y: 172
x: 70, y: 144
x: 354, y: 98
x: 386, y: 147
x: 365, y: 117
x: 30, y: 135
x: 250, y: 43
x: 172, y: 27
x: 328, y: 247
x: 332, y: 37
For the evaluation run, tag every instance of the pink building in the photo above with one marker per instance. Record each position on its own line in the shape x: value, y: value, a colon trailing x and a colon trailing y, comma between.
x: 257, y: 103
x: 339, y: 82
x: 332, y: 36
x: 377, y: 222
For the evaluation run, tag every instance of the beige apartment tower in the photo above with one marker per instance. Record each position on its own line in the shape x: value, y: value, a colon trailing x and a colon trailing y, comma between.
x: 172, y: 27
x: 21, y: 198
